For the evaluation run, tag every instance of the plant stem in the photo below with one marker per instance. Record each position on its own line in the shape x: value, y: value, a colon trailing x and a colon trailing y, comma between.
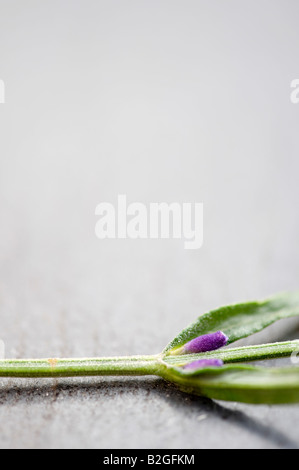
x: 241, y: 354
x: 131, y: 365
x: 137, y: 365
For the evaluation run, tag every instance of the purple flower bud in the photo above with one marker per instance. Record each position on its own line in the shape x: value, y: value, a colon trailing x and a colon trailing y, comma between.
x: 201, y: 363
x: 206, y: 343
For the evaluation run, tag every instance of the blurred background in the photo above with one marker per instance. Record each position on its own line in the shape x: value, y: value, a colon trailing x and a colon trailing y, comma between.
x: 164, y: 101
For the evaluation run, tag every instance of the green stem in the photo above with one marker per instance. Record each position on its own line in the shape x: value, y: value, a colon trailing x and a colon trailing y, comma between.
x: 137, y: 365
x: 241, y: 354
x: 132, y: 365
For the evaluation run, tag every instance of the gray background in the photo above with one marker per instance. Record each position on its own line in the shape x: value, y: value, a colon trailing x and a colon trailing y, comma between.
x: 168, y: 100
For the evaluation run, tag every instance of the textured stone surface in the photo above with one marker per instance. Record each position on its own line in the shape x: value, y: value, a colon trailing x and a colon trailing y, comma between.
x: 161, y: 101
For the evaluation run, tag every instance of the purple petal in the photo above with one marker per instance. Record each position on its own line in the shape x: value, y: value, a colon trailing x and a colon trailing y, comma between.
x: 201, y: 363
x: 206, y: 343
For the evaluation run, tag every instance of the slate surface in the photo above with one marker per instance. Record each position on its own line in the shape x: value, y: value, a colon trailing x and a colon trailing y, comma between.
x: 165, y: 102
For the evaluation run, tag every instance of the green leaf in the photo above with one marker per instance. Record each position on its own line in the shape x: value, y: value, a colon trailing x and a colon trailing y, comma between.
x: 241, y: 383
x: 240, y: 320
